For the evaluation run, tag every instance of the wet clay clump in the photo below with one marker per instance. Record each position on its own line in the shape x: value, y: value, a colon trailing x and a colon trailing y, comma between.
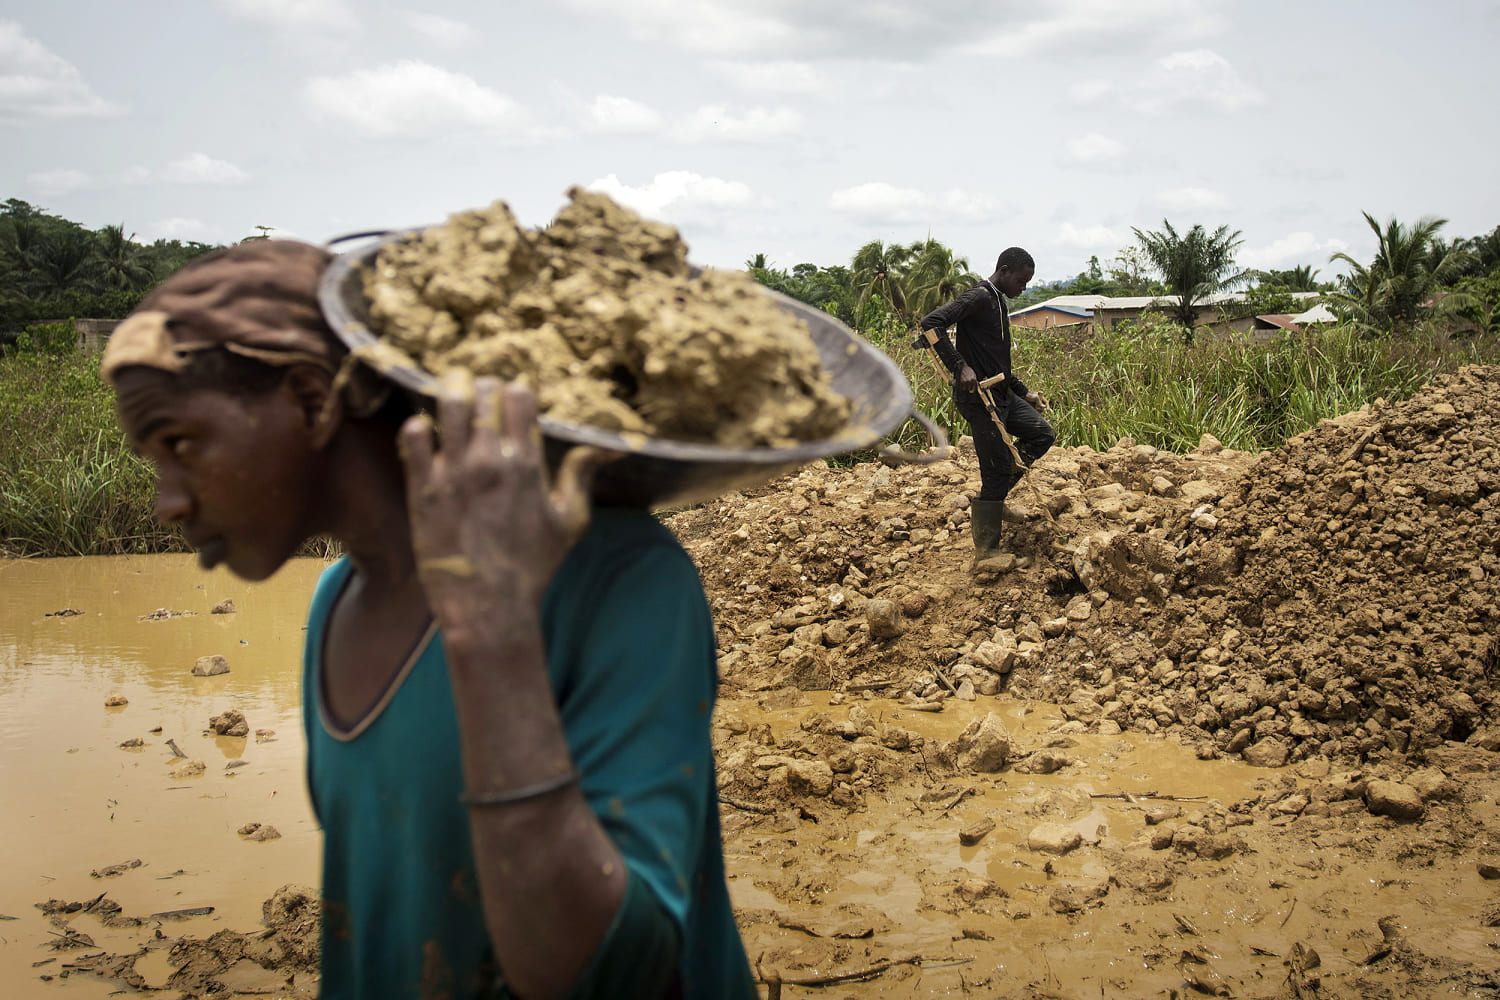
x: 600, y: 315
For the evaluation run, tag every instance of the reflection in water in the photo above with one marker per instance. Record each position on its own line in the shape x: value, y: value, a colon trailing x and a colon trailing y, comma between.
x: 76, y: 802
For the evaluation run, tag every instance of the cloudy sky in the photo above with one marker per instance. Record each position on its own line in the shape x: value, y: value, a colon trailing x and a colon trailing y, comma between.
x: 795, y: 128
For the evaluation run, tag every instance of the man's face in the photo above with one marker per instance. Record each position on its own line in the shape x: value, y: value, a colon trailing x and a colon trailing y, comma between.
x: 1013, y: 282
x: 232, y: 472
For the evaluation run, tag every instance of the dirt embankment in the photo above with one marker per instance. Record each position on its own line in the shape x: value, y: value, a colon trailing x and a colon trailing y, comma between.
x: 1336, y: 596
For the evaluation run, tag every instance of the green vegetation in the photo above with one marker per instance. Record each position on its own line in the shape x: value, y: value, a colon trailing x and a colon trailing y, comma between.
x: 55, y: 269
x: 69, y: 486
x: 1147, y: 380
x: 1193, y: 265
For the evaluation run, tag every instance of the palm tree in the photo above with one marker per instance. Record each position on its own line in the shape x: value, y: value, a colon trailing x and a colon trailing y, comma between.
x: 1396, y: 289
x: 122, y: 264
x: 63, y: 260
x: 936, y: 275
x: 878, y: 271
x: 1193, y: 265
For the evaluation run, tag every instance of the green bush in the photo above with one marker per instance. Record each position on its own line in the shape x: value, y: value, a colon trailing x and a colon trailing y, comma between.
x: 56, y: 338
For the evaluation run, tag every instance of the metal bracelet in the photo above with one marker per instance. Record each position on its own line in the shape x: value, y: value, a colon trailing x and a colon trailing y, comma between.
x: 506, y: 796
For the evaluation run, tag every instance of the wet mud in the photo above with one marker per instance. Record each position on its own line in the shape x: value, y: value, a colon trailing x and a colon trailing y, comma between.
x: 600, y: 314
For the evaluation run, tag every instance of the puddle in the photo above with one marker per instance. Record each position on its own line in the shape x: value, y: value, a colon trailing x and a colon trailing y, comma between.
x: 75, y: 802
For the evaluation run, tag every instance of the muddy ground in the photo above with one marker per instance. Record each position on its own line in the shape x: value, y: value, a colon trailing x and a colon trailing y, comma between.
x: 1214, y: 724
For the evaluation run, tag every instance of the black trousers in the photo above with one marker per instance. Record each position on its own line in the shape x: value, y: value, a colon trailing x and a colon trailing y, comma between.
x: 1026, y: 427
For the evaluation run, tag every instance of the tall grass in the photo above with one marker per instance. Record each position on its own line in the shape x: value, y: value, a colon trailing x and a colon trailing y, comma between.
x: 1140, y: 381
x: 68, y: 483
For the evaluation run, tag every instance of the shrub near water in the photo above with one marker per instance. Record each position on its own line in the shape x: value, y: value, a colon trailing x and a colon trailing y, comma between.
x: 68, y: 483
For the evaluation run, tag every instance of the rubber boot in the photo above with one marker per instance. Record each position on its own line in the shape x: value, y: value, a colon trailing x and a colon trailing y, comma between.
x: 984, y: 522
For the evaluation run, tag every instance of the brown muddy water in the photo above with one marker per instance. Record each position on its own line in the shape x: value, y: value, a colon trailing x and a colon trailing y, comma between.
x: 75, y: 802
x: 820, y: 890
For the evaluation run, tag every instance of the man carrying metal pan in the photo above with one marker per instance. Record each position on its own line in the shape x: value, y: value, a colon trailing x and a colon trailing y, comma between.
x: 1009, y: 431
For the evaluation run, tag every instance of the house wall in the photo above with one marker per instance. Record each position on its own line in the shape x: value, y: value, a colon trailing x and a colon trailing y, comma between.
x: 94, y: 333
x: 1046, y: 319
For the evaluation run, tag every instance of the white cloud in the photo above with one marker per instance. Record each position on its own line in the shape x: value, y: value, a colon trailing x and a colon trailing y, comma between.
x: 1199, y: 77
x: 714, y: 123
x: 1030, y: 28
x: 1191, y: 199
x: 178, y: 228
x: 676, y: 194
x: 59, y: 181
x: 700, y: 25
x: 1294, y: 248
x: 295, y: 15
x: 413, y: 98
x: 37, y: 83
x: 774, y: 77
x: 880, y: 202
x: 778, y: 29
x: 1089, y: 91
x: 435, y: 28
x: 1088, y: 237
x: 613, y: 115
x: 200, y: 168
x: 1094, y: 148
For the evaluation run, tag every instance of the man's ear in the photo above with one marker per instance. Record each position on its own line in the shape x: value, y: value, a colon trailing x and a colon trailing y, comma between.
x: 313, y: 390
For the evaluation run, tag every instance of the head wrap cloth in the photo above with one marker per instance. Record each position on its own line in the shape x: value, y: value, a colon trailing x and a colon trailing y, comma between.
x: 257, y: 299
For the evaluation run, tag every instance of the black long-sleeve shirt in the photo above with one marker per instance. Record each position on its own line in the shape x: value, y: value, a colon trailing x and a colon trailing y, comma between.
x: 983, y: 334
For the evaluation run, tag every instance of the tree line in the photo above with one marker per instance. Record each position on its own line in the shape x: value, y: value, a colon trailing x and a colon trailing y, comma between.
x: 52, y: 268
x: 1415, y: 276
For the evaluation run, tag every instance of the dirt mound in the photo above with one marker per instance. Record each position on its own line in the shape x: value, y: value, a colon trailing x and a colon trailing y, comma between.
x: 1332, y: 597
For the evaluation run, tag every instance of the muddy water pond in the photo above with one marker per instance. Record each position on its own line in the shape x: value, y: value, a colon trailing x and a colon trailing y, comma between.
x: 76, y: 802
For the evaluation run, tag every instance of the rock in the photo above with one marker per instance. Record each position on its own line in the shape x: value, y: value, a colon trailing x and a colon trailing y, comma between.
x: 1292, y: 805
x: 1054, y: 627
x: 1269, y: 752
x: 191, y: 769
x: 984, y: 746
x: 1210, y: 445
x: 210, y: 666
x: 1487, y: 738
x: 973, y: 833
x: 884, y: 619
x: 1489, y: 870
x: 1161, y: 814
x: 996, y: 656
x: 230, y: 723
x: 913, y: 604
x: 1053, y: 838
x: 132, y: 743
x: 116, y: 701
x: 224, y: 607
x: 966, y: 690
x: 1432, y: 784
x: 835, y: 634
x: 259, y: 831
x: 812, y: 776
x: 1043, y: 762
x: 1393, y: 799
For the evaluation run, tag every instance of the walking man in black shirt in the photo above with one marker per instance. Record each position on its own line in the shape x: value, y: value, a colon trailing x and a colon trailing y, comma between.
x: 983, y: 356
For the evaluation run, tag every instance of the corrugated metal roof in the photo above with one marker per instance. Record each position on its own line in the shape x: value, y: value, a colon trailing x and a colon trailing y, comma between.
x: 1317, y: 314
x: 1051, y: 306
x: 1094, y: 302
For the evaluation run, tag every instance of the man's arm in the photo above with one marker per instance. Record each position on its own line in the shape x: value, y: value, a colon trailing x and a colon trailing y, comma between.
x: 489, y: 534
x: 938, y: 321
